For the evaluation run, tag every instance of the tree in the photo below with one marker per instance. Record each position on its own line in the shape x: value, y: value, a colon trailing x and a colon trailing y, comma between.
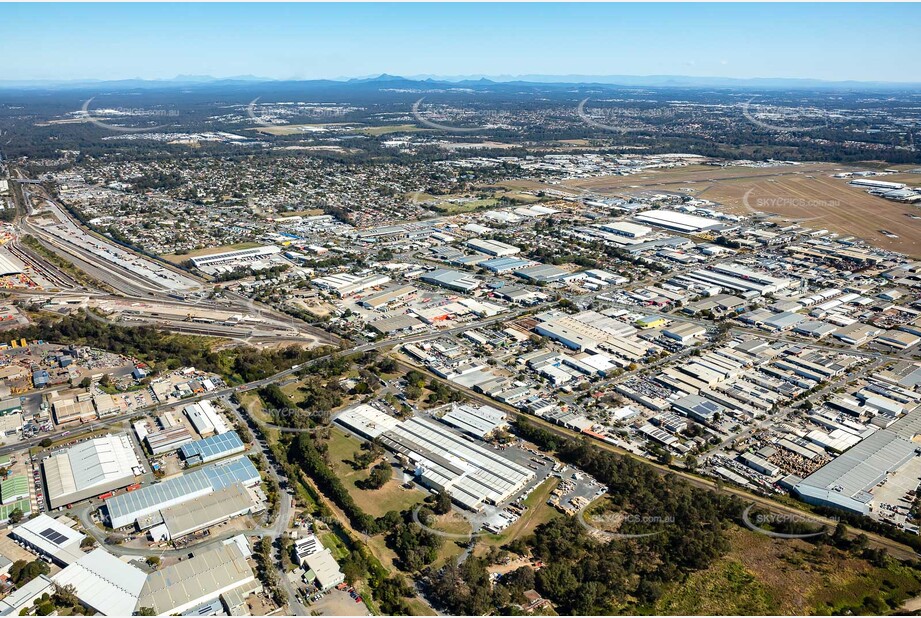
x: 16, y: 516
x: 146, y: 611
x: 442, y: 503
x: 45, y: 443
x: 153, y: 561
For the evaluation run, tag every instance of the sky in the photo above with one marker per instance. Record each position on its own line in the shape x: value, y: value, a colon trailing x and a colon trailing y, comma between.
x: 865, y: 42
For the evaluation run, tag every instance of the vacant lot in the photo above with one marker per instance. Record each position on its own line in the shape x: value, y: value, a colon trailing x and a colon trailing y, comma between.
x: 375, y: 502
x: 761, y: 575
x: 790, y: 192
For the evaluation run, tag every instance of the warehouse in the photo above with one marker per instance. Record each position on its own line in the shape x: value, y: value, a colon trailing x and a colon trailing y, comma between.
x: 206, y: 420
x: 541, y: 273
x: 89, y: 469
x: 492, y: 247
x: 677, y: 221
x: 205, y: 511
x: 846, y: 481
x: 446, y: 461
x: 50, y: 539
x: 203, y: 577
x: 7, y: 267
x: 381, y: 300
x: 241, y: 256
x: 625, y: 228
x: 479, y: 422
x: 367, y: 421
x: 505, y: 264
x: 127, y: 508
x: 451, y: 279
x: 323, y: 570
x: 346, y: 284
x: 685, y: 332
x: 212, y: 448
x: 104, y: 583
x: 167, y: 440
x: 396, y: 324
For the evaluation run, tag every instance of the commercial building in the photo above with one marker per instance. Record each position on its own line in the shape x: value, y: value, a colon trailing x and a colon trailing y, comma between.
x: 451, y: 279
x: 846, y: 481
x: 323, y: 570
x: 446, y: 461
x: 235, y: 257
x: 205, y: 419
x: 492, y: 247
x: 25, y: 596
x: 381, y: 300
x: 212, y: 448
x: 104, y: 583
x: 204, y: 577
x: 130, y: 507
x: 89, y: 469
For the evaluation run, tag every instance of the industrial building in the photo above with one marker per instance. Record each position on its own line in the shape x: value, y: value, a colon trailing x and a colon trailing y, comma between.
x: 446, y: 461
x: 479, y: 422
x: 104, y: 583
x: 846, y: 481
x: 212, y: 448
x: 204, y: 577
x: 677, y: 221
x: 203, y: 512
x: 381, y: 300
x: 451, y: 279
x: 90, y: 468
x: 167, y: 440
x: 346, y: 284
x: 492, y: 247
x: 206, y: 420
x: 50, y: 539
x: 130, y: 507
x: 235, y: 257
x: 625, y: 228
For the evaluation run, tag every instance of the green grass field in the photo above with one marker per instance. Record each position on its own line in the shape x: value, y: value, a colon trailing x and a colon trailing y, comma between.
x: 375, y: 502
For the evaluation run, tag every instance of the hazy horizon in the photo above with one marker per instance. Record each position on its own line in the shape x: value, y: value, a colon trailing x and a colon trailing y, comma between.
x: 827, y: 42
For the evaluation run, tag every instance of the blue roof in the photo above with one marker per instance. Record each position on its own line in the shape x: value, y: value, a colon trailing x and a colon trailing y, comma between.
x: 213, y: 447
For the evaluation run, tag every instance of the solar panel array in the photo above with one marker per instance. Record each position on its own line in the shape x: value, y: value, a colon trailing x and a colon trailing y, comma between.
x: 213, y: 447
x: 55, y: 537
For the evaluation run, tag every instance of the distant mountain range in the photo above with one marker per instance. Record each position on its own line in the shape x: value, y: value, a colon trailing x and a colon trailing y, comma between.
x: 471, y: 81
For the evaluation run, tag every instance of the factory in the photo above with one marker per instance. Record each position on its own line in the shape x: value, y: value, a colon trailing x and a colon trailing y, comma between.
x: 451, y: 279
x: 142, y: 506
x: 235, y: 257
x: 347, y: 284
x: 104, y: 583
x: 205, y: 511
x: 207, y: 576
x: 492, y: 247
x: 167, y: 440
x: 479, y: 422
x: 205, y: 419
x: 212, y: 448
x: 625, y: 228
x: 51, y: 539
x: 90, y: 468
x: 846, y: 482
x: 387, y: 297
x: 677, y: 221
x: 441, y: 458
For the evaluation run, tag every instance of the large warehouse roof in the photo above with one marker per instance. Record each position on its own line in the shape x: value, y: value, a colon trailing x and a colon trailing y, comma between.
x: 678, y: 221
x: 847, y: 480
x: 182, y: 586
x: 469, y: 472
x: 99, y: 464
x: 50, y: 538
x: 105, y: 583
x: 215, y: 447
